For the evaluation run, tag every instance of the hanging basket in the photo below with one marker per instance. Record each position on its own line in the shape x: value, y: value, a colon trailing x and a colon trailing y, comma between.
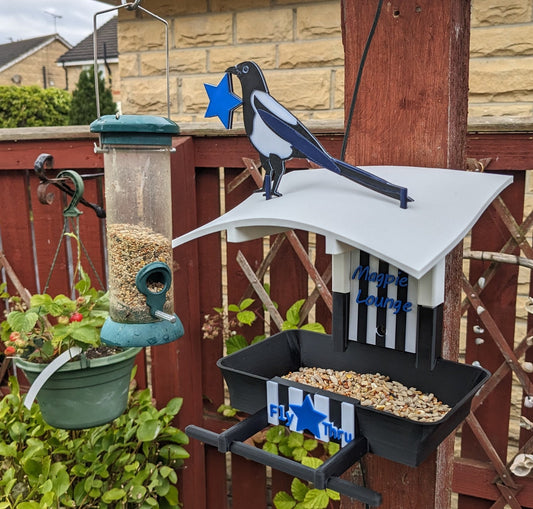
x: 84, y: 393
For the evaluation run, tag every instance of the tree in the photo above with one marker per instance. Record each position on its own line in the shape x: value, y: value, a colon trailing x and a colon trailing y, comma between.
x: 32, y: 106
x: 83, y: 107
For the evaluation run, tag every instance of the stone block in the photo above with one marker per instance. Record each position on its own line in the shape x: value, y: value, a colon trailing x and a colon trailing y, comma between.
x: 318, y: 20
x: 501, y: 41
x: 222, y: 58
x: 129, y: 65
x: 140, y: 36
x: 300, y: 89
x: 496, y: 12
x: 190, y: 61
x: 486, y: 109
x: 209, y: 30
x: 338, y: 89
x: 147, y: 95
x: 264, y: 25
x: 501, y: 79
x: 192, y: 95
x: 321, y: 53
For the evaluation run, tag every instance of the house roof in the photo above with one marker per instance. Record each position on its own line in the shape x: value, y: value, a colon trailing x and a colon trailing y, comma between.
x: 84, y: 51
x: 14, y: 52
x: 446, y: 205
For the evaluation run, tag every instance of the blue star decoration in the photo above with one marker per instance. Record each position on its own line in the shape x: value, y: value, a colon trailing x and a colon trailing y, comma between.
x: 308, y: 417
x: 222, y: 101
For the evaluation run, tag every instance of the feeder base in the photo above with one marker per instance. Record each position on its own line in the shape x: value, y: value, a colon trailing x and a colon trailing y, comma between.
x: 141, y: 334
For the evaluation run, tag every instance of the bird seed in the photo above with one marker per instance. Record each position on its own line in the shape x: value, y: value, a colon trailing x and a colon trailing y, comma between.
x: 131, y: 247
x: 375, y: 390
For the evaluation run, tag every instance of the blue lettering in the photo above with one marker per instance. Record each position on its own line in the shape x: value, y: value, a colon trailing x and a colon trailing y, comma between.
x: 348, y: 437
x: 273, y: 409
x: 408, y: 306
x: 327, y: 427
x: 363, y: 272
x: 290, y: 417
x: 383, y: 302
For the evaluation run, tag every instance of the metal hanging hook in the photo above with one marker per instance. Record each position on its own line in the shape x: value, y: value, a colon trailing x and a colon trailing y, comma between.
x: 130, y: 6
x: 71, y: 210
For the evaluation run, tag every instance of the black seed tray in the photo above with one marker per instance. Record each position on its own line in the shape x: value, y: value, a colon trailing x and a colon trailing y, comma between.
x: 402, y: 440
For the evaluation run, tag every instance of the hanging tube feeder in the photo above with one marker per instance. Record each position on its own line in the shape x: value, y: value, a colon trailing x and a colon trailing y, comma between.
x: 137, y: 152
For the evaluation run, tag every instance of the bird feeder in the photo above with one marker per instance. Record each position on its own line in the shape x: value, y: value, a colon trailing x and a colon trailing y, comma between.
x: 136, y: 152
x: 388, y: 278
x: 139, y: 229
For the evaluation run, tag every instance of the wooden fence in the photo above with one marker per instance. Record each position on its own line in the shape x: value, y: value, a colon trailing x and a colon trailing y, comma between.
x: 205, y: 269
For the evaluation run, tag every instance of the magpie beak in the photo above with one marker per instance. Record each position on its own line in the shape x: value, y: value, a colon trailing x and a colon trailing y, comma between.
x: 278, y: 136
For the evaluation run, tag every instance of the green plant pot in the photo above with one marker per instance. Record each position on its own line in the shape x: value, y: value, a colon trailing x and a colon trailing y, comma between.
x: 78, y: 396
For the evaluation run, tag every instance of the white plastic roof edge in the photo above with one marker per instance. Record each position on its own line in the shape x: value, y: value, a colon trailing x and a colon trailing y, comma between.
x: 447, y: 203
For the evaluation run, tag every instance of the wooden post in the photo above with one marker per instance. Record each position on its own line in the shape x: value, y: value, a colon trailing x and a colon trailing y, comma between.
x: 411, y: 109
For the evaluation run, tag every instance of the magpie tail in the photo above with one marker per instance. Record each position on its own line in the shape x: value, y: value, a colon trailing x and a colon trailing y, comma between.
x: 373, y: 182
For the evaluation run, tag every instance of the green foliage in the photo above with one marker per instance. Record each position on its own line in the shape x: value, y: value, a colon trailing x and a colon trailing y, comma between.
x: 83, y: 107
x: 130, y: 462
x: 51, y: 325
x: 33, y: 106
x: 279, y: 440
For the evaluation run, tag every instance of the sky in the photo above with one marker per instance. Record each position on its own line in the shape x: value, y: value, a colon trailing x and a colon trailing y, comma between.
x: 24, y: 19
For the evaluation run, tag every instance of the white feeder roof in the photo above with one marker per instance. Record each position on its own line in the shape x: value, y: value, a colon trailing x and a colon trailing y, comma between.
x: 446, y: 205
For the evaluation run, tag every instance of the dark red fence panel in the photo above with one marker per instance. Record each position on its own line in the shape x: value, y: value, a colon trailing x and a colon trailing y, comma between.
x: 205, y: 269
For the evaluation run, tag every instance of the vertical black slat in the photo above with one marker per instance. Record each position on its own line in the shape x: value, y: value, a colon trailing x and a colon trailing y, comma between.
x: 364, y: 261
x: 340, y: 319
x: 429, y: 336
x: 401, y: 317
x: 381, y: 315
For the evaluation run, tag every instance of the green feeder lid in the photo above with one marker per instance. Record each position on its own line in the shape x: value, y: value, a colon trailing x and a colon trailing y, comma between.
x: 134, y: 130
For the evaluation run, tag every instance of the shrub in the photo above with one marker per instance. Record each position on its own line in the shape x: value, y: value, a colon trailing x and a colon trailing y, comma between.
x: 83, y: 108
x: 33, y: 106
x: 130, y: 462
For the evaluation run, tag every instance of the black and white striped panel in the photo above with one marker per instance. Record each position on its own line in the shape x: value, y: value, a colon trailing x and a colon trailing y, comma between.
x: 383, y: 304
x: 326, y: 418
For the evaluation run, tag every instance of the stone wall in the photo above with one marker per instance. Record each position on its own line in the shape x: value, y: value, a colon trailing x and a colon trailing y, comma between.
x: 298, y: 44
x: 501, y: 58
x: 31, y: 68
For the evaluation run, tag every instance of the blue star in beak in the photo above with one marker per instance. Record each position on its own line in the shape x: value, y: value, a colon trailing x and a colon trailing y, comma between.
x: 308, y: 417
x: 222, y: 101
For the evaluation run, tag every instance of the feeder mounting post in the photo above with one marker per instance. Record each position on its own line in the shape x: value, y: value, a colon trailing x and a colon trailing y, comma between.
x: 411, y: 110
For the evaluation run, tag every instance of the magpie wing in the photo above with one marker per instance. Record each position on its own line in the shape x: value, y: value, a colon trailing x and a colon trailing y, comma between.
x: 284, y: 123
x: 318, y: 155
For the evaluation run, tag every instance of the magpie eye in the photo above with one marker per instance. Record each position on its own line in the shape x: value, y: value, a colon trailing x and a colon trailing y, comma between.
x: 245, y: 69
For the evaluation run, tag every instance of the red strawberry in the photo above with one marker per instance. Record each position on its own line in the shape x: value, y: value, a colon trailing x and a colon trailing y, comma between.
x: 76, y: 317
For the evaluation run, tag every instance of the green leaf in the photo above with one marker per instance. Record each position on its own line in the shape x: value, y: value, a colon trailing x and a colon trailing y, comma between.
x: 84, y: 333
x: 235, y: 343
x: 22, y: 321
x: 334, y: 495
x: 310, y: 461
x: 310, y: 444
x: 296, y: 439
x: 293, y: 313
x: 283, y: 500
x: 136, y: 493
x: 172, y: 496
x: 315, y: 327
x: 17, y: 431
x: 29, y: 505
x: 148, y: 430
x: 316, y: 499
x: 270, y: 447
x: 113, y: 495
x: 234, y: 308
x: 332, y: 448
x: 173, y: 406
x: 275, y: 434
x: 173, y: 452
x: 298, y: 453
x: 245, y: 304
x: 299, y: 489
x: 246, y: 317
x: 257, y: 339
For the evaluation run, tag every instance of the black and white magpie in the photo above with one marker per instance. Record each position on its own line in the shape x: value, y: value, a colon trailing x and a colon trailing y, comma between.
x: 278, y: 136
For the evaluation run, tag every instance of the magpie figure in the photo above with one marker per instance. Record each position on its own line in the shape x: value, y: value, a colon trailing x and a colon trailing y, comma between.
x: 279, y: 136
